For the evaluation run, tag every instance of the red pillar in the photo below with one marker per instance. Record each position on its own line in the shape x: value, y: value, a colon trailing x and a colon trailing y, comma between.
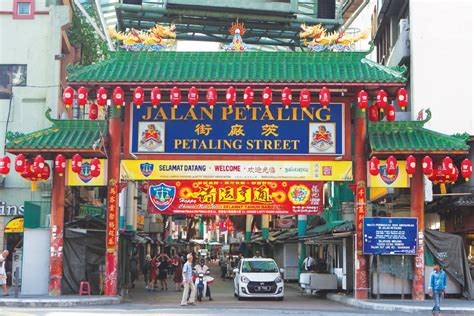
x: 111, y: 256
x: 56, y: 237
x: 417, y: 203
x: 361, y: 283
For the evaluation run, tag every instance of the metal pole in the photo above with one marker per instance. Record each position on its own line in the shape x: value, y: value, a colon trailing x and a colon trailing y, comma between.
x: 16, y: 275
x: 403, y: 277
x: 378, y: 277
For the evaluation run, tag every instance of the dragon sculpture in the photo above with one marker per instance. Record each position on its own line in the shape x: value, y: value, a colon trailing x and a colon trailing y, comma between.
x: 154, y: 39
x: 322, y: 40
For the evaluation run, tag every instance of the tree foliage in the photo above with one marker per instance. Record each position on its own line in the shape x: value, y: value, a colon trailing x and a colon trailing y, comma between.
x: 82, y: 34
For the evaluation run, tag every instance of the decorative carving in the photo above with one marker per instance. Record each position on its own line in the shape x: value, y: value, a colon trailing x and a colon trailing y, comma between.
x: 154, y: 39
x: 321, y: 40
x: 237, y: 30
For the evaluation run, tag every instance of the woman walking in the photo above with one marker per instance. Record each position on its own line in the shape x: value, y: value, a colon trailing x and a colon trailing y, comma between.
x: 178, y: 272
x: 163, y: 266
x: 153, y: 275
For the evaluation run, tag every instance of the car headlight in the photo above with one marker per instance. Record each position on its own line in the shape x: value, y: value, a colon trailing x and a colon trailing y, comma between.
x: 244, y: 279
x: 278, y: 280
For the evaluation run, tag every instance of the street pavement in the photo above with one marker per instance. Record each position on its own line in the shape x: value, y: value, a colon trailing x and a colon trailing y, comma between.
x: 141, y: 302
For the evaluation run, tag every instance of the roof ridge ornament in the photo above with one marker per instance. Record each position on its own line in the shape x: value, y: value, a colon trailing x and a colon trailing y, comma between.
x: 322, y: 40
x: 237, y: 30
x: 154, y: 39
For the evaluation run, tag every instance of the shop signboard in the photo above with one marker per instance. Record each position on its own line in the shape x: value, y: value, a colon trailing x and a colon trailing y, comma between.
x: 14, y: 226
x: 235, y: 197
x: 84, y: 177
x: 390, y: 235
x: 257, y: 130
x: 384, y: 180
x: 91, y: 210
x: 236, y: 170
x: 360, y: 210
x: 112, y: 214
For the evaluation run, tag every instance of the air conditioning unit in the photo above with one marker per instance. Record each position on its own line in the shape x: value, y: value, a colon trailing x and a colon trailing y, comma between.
x: 401, y: 49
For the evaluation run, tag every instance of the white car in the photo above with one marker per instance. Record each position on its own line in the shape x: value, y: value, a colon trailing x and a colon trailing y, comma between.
x: 258, y: 277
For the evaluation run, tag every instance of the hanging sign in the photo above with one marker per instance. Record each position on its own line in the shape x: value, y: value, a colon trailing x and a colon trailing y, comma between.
x: 256, y: 130
x: 235, y: 197
x: 384, y: 180
x: 235, y: 170
x: 361, y: 209
x: 84, y: 178
x: 390, y: 236
x: 112, y: 213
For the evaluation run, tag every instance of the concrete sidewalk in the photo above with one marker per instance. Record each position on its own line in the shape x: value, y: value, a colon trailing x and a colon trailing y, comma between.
x: 58, y: 301
x: 457, y: 306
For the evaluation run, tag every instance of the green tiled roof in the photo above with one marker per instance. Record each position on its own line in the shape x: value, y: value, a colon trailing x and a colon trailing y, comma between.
x: 63, y: 135
x: 304, y: 67
x: 411, y: 137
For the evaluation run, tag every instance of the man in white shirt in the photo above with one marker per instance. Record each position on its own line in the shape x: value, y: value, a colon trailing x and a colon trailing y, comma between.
x: 188, y: 282
x: 308, y: 263
x: 203, y: 268
x: 3, y: 272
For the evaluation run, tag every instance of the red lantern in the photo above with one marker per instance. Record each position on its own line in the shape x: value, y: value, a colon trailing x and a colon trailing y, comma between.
x: 101, y: 96
x: 390, y: 113
x: 95, y: 167
x: 391, y: 165
x: 76, y: 163
x: 155, y: 97
x: 20, y: 163
x: 267, y: 97
x: 305, y: 98
x: 453, y: 176
x: 82, y: 96
x: 193, y: 97
x: 373, y: 113
x: 374, y: 166
x: 138, y: 97
x: 27, y: 172
x: 68, y: 97
x: 5, y: 165
x: 93, y: 111
x: 363, y: 100
x: 411, y: 165
x: 324, y: 97
x: 248, y: 97
x: 427, y: 166
x: 402, y: 98
x: 118, y: 97
x: 175, y: 97
x: 45, y: 173
x: 60, y: 164
x: 211, y: 97
x: 439, y: 175
x: 230, y: 96
x: 38, y: 165
x: 286, y: 97
x: 466, y: 169
x: 448, y: 165
x: 382, y: 100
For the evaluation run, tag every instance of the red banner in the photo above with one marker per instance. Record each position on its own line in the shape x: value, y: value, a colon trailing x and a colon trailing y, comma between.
x: 361, y: 208
x: 112, y: 218
x: 235, y: 197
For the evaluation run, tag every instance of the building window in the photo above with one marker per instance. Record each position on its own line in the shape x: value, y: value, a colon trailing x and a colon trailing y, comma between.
x: 11, y: 76
x: 24, y: 8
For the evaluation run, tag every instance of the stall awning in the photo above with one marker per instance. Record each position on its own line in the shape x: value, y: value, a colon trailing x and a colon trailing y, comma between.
x: 230, y: 67
x: 410, y: 137
x: 329, y: 230
x: 64, y: 136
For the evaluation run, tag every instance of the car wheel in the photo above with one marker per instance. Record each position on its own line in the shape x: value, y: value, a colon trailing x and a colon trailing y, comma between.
x: 280, y: 298
x: 239, y: 298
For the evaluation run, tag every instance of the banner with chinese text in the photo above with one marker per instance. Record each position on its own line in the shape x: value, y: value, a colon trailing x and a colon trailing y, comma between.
x: 257, y: 130
x: 235, y: 170
x: 235, y: 197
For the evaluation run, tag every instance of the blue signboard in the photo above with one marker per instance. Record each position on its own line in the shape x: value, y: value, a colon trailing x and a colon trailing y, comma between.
x: 390, y: 235
x: 238, y: 130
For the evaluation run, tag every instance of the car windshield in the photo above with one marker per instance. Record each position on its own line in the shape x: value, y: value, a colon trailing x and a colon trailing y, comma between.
x: 259, y: 266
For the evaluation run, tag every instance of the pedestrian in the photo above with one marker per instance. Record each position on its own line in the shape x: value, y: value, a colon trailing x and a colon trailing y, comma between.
x: 308, y: 263
x: 163, y: 265
x: 153, y: 274
x: 437, y: 287
x: 178, y: 272
x: 188, y: 282
x: 3, y: 271
x: 223, y: 264
x: 133, y: 270
x: 146, y: 270
x: 257, y: 254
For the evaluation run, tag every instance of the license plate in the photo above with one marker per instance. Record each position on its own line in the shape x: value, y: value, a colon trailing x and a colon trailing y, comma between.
x: 262, y: 288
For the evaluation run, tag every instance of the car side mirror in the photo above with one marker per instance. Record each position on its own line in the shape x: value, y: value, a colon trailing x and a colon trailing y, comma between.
x: 235, y: 271
x: 282, y: 270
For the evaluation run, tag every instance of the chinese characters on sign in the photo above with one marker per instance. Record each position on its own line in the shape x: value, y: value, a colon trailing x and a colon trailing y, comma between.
x: 361, y: 208
x: 235, y: 197
x: 223, y: 130
x: 112, y: 213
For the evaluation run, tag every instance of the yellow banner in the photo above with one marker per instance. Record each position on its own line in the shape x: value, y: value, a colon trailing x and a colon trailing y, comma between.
x: 84, y: 178
x: 235, y: 170
x: 384, y: 180
x: 14, y: 226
